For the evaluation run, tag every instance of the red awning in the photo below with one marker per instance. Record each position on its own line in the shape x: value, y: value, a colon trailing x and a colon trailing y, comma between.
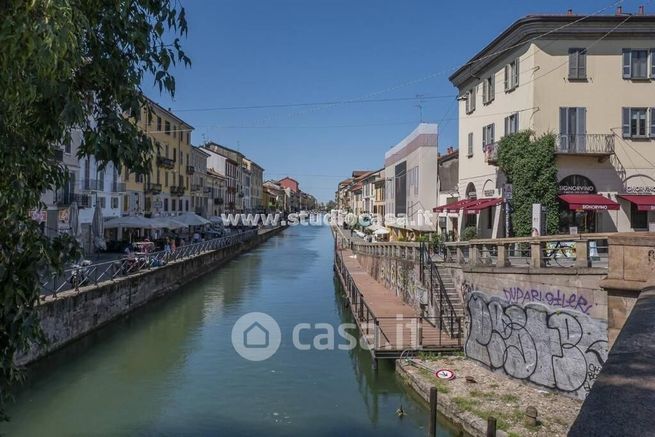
x: 455, y: 206
x: 589, y: 202
x: 483, y: 204
x: 644, y: 202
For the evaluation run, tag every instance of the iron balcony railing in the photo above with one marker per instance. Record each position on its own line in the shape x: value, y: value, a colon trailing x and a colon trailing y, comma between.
x: 93, y: 184
x: 190, y: 169
x: 177, y: 190
x: 66, y: 198
x: 85, y: 275
x: 165, y: 162
x: 153, y: 188
x: 195, y: 187
x: 585, y: 144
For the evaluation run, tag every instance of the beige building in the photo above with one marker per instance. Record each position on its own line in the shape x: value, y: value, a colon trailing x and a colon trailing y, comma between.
x: 165, y: 190
x: 590, y: 82
x: 199, y: 192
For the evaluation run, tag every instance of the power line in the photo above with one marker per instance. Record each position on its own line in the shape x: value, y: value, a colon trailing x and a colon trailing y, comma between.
x: 323, y: 103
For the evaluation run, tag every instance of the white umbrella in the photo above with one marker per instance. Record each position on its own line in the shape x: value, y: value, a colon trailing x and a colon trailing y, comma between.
x: 168, y: 222
x: 74, y: 219
x: 381, y: 231
x: 134, y: 222
x: 98, y: 229
x: 191, y: 219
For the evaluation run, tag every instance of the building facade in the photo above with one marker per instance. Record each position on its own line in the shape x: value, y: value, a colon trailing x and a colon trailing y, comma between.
x: 591, y: 83
x: 199, y: 194
x: 165, y: 190
x: 410, y: 170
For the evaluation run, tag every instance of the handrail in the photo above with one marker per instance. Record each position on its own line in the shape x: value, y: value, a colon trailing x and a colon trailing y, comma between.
x: 442, y: 294
x: 80, y: 276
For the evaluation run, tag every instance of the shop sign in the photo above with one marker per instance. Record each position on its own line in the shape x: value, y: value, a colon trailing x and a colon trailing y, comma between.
x: 576, y: 184
x: 640, y: 190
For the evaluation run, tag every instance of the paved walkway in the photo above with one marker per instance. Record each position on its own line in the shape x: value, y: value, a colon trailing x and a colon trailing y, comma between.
x: 398, y: 321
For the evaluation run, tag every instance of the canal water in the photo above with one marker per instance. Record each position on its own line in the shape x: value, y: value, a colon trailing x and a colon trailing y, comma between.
x: 170, y: 368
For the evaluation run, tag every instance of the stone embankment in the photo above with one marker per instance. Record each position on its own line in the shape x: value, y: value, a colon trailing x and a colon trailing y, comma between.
x: 477, y: 393
x: 73, y: 314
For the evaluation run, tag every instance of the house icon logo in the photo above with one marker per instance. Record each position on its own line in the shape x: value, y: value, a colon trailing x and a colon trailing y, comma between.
x: 256, y: 336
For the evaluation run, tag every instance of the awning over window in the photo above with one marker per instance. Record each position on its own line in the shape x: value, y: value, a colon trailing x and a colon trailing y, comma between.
x: 589, y: 202
x: 483, y: 204
x: 455, y: 206
x: 470, y: 206
x: 644, y: 202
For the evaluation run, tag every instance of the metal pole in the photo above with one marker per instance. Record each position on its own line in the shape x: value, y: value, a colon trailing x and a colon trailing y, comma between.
x: 491, y: 426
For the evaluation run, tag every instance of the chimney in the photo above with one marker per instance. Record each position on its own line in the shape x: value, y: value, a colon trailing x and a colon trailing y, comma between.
x: 569, y: 12
x: 619, y: 10
x: 641, y: 10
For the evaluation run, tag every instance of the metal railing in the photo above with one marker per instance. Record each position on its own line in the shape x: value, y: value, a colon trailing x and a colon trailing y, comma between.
x: 582, y: 144
x: 165, y: 162
x: 84, y: 275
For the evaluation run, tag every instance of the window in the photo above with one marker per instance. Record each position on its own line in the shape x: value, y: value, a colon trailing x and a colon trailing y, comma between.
x: 635, y: 121
x: 139, y: 178
x: 173, y: 204
x: 488, y: 134
x: 635, y: 64
x: 180, y: 205
x: 187, y: 205
x: 158, y: 124
x: 166, y: 179
x: 512, y: 75
x: 470, y: 145
x: 165, y: 204
x: 512, y: 124
x: 572, y: 129
x: 167, y: 127
x: 114, y: 202
x: 490, y: 218
x: 470, y: 100
x: 638, y: 219
x: 577, y: 64
x: 489, y: 89
x: 174, y: 154
x: 188, y: 137
x: 102, y: 201
x: 166, y: 150
x: 149, y: 117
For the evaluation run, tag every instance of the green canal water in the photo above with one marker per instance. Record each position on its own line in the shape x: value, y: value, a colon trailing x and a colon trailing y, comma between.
x: 170, y: 369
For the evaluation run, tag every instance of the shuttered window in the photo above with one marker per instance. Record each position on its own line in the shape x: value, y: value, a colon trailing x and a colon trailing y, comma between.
x: 512, y: 124
x: 572, y: 129
x: 634, y: 122
x: 577, y: 64
x: 635, y: 64
x: 512, y: 75
x: 488, y: 134
x: 489, y: 89
x: 470, y: 144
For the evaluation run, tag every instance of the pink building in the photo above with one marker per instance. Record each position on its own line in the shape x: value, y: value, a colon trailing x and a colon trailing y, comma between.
x: 290, y: 183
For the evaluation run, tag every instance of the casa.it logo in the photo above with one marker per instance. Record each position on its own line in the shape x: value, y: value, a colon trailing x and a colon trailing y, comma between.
x: 256, y: 336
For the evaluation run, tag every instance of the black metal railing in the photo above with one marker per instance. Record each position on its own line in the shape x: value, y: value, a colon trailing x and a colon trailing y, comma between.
x: 153, y: 188
x: 85, y: 275
x: 165, y: 162
x: 190, y: 169
x: 585, y: 144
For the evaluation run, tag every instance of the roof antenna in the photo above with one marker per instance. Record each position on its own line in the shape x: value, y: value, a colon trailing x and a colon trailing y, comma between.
x: 419, y: 105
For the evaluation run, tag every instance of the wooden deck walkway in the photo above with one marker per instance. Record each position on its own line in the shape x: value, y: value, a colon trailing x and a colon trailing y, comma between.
x: 389, y: 325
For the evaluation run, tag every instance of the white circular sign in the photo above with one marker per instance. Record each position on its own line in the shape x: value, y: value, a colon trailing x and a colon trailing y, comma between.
x: 256, y: 336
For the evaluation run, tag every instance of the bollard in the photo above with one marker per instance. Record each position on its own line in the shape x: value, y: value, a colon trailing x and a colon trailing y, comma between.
x: 491, y: 426
x: 432, y: 430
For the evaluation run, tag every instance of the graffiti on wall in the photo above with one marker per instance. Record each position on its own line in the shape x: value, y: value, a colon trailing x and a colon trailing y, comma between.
x: 558, y: 349
x: 557, y: 298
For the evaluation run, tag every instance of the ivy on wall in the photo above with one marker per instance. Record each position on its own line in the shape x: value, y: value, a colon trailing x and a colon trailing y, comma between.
x: 529, y: 164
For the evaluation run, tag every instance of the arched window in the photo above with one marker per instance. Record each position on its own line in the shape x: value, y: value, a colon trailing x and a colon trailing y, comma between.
x: 576, y: 184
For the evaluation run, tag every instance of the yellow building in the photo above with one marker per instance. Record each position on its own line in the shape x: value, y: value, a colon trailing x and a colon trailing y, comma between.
x: 166, y: 189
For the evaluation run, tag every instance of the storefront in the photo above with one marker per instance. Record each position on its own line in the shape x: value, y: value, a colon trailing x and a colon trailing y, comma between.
x: 581, y: 208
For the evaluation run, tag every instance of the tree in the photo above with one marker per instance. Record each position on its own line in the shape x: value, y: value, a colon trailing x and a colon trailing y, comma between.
x: 65, y: 65
x: 529, y: 164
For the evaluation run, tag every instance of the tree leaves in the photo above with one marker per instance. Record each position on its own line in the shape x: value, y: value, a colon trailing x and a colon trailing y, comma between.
x: 529, y: 165
x: 67, y: 65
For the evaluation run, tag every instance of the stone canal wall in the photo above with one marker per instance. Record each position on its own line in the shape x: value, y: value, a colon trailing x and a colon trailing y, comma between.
x: 548, y: 327
x: 72, y: 314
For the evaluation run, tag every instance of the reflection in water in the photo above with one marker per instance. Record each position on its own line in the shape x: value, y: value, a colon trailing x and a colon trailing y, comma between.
x: 170, y: 368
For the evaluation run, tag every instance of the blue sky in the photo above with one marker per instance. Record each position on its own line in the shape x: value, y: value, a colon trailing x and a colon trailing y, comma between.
x: 268, y: 52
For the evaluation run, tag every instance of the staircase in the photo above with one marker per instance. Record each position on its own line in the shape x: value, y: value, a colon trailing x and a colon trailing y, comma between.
x: 443, y: 295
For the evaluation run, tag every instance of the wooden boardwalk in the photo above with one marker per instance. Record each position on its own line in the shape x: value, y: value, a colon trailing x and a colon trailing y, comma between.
x: 389, y: 325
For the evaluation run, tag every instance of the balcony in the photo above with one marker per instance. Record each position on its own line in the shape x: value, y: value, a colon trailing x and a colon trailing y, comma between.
x: 491, y: 154
x: 93, y: 185
x: 177, y: 190
x: 165, y: 162
x: 118, y: 187
x: 66, y: 198
x: 195, y: 187
x: 190, y: 169
x: 597, y: 145
x: 207, y: 190
x: 152, y: 188
x: 218, y: 201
